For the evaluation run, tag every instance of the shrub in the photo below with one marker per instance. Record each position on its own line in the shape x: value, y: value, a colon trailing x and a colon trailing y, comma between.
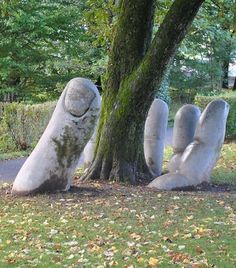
x: 187, y: 95
x: 230, y: 97
x: 2, y: 107
x: 23, y: 124
x: 184, y: 95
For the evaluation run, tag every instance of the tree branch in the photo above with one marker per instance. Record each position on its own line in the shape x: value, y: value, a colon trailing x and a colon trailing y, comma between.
x: 166, y: 42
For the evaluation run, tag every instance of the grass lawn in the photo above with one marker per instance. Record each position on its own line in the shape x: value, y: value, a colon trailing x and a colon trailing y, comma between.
x: 100, y: 224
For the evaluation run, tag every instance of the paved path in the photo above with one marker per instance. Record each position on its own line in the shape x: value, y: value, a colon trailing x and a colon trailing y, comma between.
x: 10, y: 168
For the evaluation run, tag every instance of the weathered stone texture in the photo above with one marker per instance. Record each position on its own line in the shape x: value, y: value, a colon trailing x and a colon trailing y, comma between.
x: 184, y: 128
x: 154, y: 136
x: 52, y: 163
x: 200, y: 156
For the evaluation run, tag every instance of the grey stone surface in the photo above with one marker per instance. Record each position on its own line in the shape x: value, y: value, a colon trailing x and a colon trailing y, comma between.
x: 51, y: 165
x: 169, y: 182
x: 200, y: 156
x: 88, y: 152
x: 184, y: 128
x: 154, y: 136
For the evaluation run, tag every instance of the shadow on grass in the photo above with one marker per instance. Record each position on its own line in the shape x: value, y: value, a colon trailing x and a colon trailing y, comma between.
x: 209, y: 187
x: 88, y: 191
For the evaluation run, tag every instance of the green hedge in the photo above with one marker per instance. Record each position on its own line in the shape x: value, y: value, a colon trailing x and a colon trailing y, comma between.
x: 2, y: 107
x: 184, y: 95
x: 230, y: 97
x: 22, y: 125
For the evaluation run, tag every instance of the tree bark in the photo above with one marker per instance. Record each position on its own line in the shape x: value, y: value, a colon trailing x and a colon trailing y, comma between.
x: 135, y: 71
x: 234, y: 86
x: 225, y: 71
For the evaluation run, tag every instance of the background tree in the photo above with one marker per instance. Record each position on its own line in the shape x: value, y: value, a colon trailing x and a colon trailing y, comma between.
x: 44, y: 44
x: 203, y: 59
x: 136, y: 67
x: 39, y: 48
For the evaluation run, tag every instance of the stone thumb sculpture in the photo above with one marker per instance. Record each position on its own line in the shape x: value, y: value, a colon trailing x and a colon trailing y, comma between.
x: 52, y: 163
x: 200, y: 156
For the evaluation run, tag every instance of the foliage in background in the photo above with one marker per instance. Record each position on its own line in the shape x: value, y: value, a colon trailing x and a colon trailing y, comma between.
x: 183, y: 95
x: 46, y: 43
x: 229, y: 97
x: 22, y: 125
x: 206, y: 52
x: 163, y: 91
x: 202, y: 62
x: 43, y: 45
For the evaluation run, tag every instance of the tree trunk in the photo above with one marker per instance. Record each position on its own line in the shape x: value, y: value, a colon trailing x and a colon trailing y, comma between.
x: 135, y: 71
x: 225, y: 71
x: 234, y: 86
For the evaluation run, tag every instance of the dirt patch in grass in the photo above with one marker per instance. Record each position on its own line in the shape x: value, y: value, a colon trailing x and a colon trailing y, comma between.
x: 210, y: 187
x: 102, y: 189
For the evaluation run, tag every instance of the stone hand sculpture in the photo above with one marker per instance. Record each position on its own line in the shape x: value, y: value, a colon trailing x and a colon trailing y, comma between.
x: 154, y: 136
x: 88, y: 152
x: 200, y: 156
x: 51, y: 165
x: 184, y: 128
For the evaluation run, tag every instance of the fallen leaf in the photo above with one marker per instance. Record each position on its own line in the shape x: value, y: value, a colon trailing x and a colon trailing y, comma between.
x: 153, y: 262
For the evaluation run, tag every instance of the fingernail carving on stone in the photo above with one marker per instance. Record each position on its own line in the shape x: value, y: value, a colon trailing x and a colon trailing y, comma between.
x: 52, y: 163
x: 78, y: 98
x: 200, y: 156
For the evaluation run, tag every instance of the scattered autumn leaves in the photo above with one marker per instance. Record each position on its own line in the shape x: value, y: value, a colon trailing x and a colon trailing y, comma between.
x: 111, y: 225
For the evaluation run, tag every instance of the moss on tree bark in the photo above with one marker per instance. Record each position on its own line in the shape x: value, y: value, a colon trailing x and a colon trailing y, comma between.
x: 135, y: 70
